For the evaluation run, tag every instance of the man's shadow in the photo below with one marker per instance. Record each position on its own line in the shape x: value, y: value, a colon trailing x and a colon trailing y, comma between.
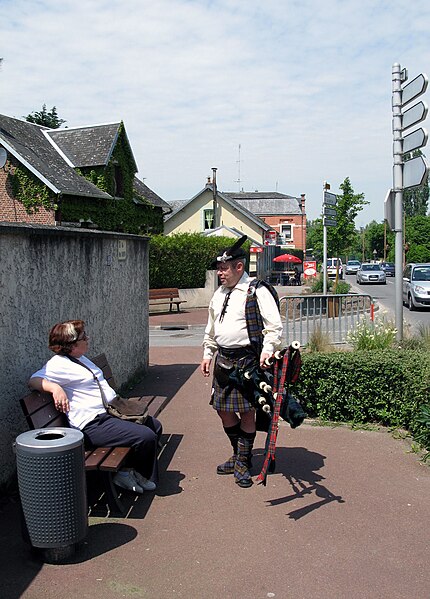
x: 300, y: 467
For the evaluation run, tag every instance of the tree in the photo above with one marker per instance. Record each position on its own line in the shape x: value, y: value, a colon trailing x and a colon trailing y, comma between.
x: 417, y: 237
x: 341, y: 238
x: 47, y: 119
x: 314, y: 237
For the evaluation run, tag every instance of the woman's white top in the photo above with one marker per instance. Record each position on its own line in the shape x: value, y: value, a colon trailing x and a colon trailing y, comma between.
x: 80, y: 387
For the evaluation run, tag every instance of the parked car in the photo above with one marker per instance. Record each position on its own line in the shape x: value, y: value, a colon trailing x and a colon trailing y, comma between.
x: 371, y: 273
x: 332, y: 265
x: 416, y: 285
x: 352, y: 266
x: 389, y: 268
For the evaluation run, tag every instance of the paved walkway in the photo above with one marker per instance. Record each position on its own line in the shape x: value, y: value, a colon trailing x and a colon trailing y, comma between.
x: 346, y: 515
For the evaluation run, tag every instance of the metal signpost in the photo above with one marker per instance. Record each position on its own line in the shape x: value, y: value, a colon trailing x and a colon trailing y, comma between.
x: 329, y: 220
x: 409, y: 173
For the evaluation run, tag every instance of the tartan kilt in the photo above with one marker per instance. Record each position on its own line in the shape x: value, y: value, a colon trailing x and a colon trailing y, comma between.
x: 230, y: 398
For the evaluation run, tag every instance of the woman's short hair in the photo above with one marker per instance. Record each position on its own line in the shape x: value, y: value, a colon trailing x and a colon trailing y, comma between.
x: 64, y: 335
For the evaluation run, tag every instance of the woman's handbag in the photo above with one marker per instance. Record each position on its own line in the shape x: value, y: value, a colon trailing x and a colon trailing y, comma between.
x: 134, y: 409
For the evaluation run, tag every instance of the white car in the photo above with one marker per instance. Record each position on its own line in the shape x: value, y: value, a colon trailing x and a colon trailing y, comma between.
x: 332, y: 265
x: 371, y: 273
x: 416, y: 286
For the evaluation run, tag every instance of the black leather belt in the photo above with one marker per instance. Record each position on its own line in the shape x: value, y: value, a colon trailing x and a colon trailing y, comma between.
x: 235, y: 352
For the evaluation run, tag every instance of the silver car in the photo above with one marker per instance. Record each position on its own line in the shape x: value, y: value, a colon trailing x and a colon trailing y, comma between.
x: 416, y: 285
x: 352, y: 267
x: 371, y: 273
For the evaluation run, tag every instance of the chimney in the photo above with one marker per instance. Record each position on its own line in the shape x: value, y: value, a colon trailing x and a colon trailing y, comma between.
x: 302, y: 202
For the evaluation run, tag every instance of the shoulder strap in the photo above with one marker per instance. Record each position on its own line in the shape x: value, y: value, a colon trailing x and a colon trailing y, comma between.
x: 254, y: 320
x: 102, y: 393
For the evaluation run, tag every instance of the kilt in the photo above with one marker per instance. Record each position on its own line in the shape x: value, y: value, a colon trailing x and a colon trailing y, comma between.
x: 230, y: 398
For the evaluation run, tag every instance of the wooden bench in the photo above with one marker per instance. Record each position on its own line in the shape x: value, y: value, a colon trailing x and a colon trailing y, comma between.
x: 40, y: 412
x: 170, y: 295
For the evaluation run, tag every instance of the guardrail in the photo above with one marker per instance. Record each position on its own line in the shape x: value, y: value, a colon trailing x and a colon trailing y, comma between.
x: 333, y: 315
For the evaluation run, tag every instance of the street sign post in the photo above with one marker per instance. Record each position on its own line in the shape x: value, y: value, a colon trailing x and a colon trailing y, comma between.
x: 406, y: 173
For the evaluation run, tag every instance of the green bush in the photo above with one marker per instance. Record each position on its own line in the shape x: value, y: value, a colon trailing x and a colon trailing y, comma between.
x: 388, y: 387
x: 181, y: 260
x: 341, y: 287
x: 317, y: 284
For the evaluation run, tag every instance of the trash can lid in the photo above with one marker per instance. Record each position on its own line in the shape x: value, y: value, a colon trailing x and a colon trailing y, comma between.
x: 50, y: 439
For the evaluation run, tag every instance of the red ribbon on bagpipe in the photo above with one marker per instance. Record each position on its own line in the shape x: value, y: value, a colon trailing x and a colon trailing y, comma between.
x: 286, y: 369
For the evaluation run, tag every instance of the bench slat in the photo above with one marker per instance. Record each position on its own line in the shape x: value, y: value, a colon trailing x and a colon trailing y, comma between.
x: 34, y: 401
x: 96, y: 457
x: 115, y: 459
x: 157, y: 405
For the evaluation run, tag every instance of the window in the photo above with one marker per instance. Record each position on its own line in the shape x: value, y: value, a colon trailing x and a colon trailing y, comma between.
x: 286, y: 232
x: 208, y: 218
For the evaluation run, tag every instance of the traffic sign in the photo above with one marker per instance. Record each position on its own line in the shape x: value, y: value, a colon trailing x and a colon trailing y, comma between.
x: 414, y: 172
x: 414, y: 89
x: 330, y: 198
x: 389, y: 211
x: 330, y: 211
x: 329, y: 222
x: 414, y: 115
x: 255, y: 249
x: 416, y: 139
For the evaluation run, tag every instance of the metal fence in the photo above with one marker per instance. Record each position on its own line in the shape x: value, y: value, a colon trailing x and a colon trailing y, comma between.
x: 330, y: 315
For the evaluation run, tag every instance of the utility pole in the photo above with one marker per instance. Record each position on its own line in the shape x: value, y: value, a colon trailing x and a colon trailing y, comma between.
x: 329, y: 211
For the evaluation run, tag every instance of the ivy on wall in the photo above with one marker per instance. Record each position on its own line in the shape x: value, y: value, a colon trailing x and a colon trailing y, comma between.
x: 31, y: 192
x: 119, y: 214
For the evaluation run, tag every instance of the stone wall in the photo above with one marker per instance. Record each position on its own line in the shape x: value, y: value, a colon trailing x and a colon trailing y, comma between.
x: 50, y: 274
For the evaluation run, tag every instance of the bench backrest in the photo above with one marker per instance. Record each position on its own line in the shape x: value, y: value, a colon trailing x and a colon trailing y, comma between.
x: 170, y: 292
x: 39, y: 409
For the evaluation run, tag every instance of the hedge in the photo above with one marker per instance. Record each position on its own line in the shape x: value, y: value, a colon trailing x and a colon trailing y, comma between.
x: 181, y: 260
x: 388, y: 387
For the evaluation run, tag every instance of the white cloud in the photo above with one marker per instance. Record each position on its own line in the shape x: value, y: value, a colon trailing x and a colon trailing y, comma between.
x: 304, y: 86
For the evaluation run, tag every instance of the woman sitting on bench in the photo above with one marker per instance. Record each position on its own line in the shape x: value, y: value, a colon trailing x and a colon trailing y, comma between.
x: 77, y: 394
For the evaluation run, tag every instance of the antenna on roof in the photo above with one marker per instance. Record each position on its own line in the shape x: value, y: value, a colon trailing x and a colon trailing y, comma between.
x: 239, y: 181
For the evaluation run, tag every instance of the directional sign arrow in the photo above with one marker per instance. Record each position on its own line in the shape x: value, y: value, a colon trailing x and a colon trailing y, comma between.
x: 330, y: 198
x: 389, y: 209
x: 414, y: 172
x: 414, y: 89
x: 416, y: 139
x: 414, y: 115
x: 330, y: 211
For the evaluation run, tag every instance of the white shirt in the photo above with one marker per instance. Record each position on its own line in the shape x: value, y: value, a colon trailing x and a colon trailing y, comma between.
x: 80, y: 387
x: 231, y: 332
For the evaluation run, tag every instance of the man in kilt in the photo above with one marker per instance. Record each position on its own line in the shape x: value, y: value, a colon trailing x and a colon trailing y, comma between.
x: 231, y: 336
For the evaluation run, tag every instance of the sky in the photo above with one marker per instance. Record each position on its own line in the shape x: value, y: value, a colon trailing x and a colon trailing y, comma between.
x: 278, y: 95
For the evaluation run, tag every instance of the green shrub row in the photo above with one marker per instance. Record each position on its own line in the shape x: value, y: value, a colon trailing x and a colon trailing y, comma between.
x: 389, y: 387
x: 181, y: 260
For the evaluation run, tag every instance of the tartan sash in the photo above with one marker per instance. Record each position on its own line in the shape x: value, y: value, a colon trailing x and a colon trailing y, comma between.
x: 254, y: 320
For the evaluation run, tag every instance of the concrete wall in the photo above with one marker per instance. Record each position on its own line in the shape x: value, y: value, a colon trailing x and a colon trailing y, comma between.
x: 50, y: 274
x: 195, y: 298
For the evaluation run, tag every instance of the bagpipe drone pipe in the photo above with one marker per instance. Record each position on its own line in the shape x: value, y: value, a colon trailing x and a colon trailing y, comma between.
x: 268, y: 391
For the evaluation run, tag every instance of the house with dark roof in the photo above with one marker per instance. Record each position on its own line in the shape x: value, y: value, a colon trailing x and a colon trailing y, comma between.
x: 82, y: 176
x: 284, y: 214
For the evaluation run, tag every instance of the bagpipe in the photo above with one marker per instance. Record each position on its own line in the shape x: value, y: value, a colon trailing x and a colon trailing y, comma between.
x: 268, y: 391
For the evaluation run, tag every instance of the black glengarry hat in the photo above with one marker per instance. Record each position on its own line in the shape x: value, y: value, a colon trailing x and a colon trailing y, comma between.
x: 234, y: 252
